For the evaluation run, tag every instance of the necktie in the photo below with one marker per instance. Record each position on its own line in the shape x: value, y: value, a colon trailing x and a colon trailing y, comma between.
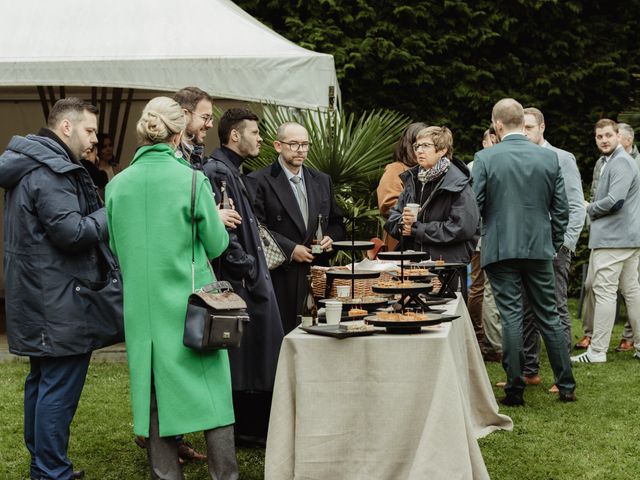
x: 302, y: 199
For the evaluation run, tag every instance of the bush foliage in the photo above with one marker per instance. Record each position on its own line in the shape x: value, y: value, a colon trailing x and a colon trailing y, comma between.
x: 448, y: 62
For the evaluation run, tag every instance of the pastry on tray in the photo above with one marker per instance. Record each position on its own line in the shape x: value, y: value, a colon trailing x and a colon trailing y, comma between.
x: 358, y: 326
x: 412, y: 272
x: 394, y: 284
x: 357, y: 312
x: 401, y: 317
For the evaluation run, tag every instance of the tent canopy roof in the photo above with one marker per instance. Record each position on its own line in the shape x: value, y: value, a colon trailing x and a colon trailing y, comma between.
x: 159, y: 45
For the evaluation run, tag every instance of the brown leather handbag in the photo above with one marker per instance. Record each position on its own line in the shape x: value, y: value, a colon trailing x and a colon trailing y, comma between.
x: 215, y: 318
x: 215, y: 314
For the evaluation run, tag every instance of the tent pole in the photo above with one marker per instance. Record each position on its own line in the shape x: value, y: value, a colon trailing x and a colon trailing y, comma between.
x: 62, y: 92
x: 103, y: 107
x: 52, y: 96
x: 116, y: 98
x: 123, y: 128
x: 43, y: 102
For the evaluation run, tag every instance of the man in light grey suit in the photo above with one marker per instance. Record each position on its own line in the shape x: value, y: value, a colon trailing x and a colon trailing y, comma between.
x: 615, y: 242
x: 520, y: 193
x: 534, y: 128
x: 625, y: 136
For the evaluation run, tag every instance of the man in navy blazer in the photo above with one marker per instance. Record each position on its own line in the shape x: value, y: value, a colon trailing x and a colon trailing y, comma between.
x: 290, y: 200
x: 520, y: 192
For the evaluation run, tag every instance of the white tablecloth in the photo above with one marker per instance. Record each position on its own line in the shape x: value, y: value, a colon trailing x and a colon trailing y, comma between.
x: 383, y: 406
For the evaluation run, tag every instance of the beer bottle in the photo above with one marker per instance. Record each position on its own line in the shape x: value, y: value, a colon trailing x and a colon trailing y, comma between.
x: 316, y: 249
x: 225, y: 203
x: 309, y: 314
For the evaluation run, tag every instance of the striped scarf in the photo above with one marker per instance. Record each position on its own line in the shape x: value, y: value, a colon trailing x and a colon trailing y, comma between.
x: 428, y: 174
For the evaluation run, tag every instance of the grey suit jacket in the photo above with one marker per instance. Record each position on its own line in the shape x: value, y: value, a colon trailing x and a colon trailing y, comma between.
x: 520, y: 192
x: 573, y: 187
x: 615, y: 210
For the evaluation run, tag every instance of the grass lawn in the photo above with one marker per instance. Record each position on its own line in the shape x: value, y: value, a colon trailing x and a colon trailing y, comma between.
x: 590, y: 439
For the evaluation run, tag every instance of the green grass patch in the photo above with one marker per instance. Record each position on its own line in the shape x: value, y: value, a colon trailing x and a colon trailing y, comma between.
x: 590, y: 439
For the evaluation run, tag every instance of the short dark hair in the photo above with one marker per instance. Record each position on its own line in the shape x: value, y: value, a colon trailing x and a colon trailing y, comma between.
x: 232, y: 119
x: 69, y: 106
x: 189, y: 97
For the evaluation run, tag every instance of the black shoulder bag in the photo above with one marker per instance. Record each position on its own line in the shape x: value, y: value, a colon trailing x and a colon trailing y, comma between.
x: 215, y: 314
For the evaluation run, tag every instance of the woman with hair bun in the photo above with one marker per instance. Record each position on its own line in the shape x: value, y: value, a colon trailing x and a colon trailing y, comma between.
x: 174, y: 389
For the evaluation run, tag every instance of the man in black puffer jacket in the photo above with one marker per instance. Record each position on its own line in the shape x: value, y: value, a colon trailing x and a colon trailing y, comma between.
x: 54, y: 226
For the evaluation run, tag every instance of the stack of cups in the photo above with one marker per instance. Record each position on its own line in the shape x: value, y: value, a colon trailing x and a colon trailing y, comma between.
x: 343, y: 291
x: 333, y: 311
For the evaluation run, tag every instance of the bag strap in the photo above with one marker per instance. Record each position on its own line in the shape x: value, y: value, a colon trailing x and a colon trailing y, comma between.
x: 193, y: 232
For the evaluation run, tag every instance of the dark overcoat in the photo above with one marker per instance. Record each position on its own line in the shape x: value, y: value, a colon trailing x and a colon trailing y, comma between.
x: 253, y: 365
x: 53, y: 225
x: 276, y: 206
x: 448, y: 224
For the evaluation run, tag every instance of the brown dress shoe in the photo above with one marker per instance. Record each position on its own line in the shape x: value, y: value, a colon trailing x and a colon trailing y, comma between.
x: 532, y: 379
x: 187, y: 452
x: 583, y: 344
x: 625, y: 346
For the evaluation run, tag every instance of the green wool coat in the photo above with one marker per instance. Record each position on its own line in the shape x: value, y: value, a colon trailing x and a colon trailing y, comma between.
x: 148, y: 211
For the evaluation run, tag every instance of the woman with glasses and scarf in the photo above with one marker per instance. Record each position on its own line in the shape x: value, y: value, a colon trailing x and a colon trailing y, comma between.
x: 448, y: 220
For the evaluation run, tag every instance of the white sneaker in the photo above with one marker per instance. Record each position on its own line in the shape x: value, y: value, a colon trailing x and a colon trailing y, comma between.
x: 590, y: 357
x: 636, y: 355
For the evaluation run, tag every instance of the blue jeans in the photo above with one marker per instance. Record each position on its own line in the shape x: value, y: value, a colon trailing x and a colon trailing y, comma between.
x: 51, y: 394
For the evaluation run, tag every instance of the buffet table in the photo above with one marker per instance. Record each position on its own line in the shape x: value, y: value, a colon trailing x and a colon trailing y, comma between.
x: 382, y: 406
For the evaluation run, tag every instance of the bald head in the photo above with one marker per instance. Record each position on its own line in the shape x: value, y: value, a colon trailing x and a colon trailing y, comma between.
x: 507, y: 116
x: 288, y: 129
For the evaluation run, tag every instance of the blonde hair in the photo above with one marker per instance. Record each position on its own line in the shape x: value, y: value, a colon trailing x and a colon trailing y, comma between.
x: 161, y: 119
x: 441, y: 137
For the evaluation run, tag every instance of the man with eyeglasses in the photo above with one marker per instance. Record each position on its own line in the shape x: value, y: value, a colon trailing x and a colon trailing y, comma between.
x: 198, y: 108
x: 291, y: 199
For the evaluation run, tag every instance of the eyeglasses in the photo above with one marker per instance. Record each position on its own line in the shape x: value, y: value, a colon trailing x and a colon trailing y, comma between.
x: 204, y: 116
x: 297, y: 146
x: 422, y: 146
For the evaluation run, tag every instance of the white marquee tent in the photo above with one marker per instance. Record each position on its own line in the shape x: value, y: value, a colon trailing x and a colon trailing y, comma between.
x: 158, y: 45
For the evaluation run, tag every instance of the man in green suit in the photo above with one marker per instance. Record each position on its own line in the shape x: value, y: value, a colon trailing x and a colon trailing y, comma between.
x: 520, y: 192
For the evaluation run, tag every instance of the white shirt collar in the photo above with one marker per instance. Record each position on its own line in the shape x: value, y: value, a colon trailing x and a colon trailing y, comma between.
x: 288, y: 172
x: 513, y: 133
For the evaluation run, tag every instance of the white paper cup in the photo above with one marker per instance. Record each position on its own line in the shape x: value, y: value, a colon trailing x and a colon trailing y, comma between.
x: 333, y: 312
x: 343, y: 291
x: 414, y: 207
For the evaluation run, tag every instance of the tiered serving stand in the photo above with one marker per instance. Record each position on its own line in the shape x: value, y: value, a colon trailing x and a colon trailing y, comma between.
x: 332, y: 274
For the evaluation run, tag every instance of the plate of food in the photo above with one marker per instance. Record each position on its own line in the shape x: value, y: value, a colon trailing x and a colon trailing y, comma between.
x: 341, y: 331
x: 404, y: 255
x: 407, y: 322
x: 397, y: 286
x: 367, y: 303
